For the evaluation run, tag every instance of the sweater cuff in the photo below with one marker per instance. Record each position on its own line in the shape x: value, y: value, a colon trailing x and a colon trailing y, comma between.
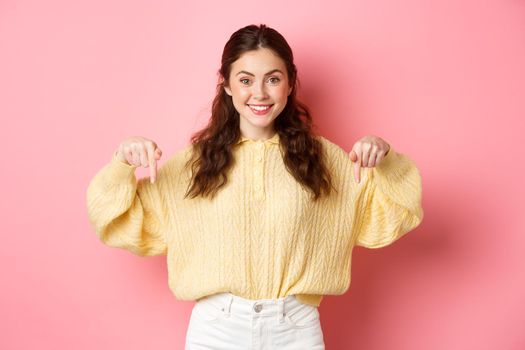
x: 388, y: 161
x: 399, y: 179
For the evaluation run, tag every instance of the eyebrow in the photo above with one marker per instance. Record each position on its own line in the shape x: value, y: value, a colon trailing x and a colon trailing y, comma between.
x: 270, y: 72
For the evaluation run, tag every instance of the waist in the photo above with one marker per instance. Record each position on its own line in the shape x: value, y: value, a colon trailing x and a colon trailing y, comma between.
x: 240, y: 306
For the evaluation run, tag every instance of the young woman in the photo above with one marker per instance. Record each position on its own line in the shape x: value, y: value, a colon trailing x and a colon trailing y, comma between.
x: 258, y: 216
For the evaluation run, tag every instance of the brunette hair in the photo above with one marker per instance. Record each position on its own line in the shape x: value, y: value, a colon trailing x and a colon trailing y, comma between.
x: 212, y: 146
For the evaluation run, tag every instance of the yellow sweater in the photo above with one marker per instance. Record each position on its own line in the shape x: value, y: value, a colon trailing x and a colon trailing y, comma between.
x: 261, y: 237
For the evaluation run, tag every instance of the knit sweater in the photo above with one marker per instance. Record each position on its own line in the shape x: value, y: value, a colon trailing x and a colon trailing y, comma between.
x: 262, y: 236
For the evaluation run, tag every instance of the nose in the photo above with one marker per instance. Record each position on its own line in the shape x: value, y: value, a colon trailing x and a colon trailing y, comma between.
x: 259, y: 91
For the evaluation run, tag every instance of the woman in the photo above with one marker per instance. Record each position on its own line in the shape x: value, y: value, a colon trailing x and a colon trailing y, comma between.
x: 258, y: 216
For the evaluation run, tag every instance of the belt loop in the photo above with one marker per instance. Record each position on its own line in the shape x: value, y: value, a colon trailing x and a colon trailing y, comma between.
x: 228, y: 305
x: 280, y: 304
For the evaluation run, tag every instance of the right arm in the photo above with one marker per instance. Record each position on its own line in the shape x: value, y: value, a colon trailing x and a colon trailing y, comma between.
x: 126, y: 213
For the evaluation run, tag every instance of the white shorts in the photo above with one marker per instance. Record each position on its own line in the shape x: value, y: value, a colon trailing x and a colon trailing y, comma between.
x: 229, y: 322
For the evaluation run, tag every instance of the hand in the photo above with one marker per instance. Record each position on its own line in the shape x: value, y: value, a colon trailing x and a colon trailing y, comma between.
x: 139, y: 151
x: 368, y: 152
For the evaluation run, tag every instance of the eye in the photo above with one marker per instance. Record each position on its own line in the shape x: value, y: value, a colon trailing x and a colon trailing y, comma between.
x: 242, y: 81
x: 276, y: 80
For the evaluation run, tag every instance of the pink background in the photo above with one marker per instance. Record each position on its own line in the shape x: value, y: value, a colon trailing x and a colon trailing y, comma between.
x: 442, y: 81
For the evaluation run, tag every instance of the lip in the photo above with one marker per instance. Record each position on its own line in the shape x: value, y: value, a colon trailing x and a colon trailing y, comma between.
x: 259, y: 113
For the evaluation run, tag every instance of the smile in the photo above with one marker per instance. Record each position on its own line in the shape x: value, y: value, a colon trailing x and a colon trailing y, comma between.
x: 260, y: 107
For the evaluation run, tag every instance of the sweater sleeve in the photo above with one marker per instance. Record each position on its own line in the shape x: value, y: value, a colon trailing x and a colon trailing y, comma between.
x: 390, y: 201
x: 126, y: 213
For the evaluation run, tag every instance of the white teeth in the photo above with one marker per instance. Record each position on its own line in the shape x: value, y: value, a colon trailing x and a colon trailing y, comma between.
x: 259, y: 108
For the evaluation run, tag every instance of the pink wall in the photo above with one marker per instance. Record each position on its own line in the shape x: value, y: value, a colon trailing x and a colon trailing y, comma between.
x: 442, y: 81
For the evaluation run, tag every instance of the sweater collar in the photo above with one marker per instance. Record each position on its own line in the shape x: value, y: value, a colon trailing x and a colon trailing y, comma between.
x: 274, y: 139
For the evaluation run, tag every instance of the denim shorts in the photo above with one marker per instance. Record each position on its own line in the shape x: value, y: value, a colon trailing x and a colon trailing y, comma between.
x: 227, y: 321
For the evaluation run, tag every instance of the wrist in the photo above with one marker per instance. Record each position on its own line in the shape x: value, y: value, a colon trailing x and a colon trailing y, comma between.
x: 118, y: 156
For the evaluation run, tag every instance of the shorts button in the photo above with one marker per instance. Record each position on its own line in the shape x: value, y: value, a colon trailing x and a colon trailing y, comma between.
x: 257, y: 307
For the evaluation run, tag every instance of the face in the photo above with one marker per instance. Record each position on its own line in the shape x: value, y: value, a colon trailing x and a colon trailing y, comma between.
x: 259, y: 87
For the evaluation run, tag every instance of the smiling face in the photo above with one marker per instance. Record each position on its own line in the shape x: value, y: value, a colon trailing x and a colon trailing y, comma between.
x: 259, y: 87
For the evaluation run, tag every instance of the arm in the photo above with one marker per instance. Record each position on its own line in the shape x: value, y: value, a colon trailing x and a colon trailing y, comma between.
x: 390, y: 201
x: 126, y: 213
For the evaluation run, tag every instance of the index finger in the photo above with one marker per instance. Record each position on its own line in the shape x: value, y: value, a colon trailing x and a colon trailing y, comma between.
x: 152, y: 163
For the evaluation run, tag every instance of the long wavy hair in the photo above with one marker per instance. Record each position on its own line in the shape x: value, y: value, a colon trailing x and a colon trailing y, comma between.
x: 212, y: 155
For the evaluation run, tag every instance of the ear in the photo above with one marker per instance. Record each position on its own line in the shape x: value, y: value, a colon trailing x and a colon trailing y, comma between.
x: 290, y: 90
x: 228, y: 90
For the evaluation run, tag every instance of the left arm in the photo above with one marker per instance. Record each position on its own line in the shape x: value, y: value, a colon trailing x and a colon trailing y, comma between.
x: 390, y: 201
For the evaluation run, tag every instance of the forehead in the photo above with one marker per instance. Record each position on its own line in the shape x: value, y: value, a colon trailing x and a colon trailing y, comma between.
x: 258, y: 61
